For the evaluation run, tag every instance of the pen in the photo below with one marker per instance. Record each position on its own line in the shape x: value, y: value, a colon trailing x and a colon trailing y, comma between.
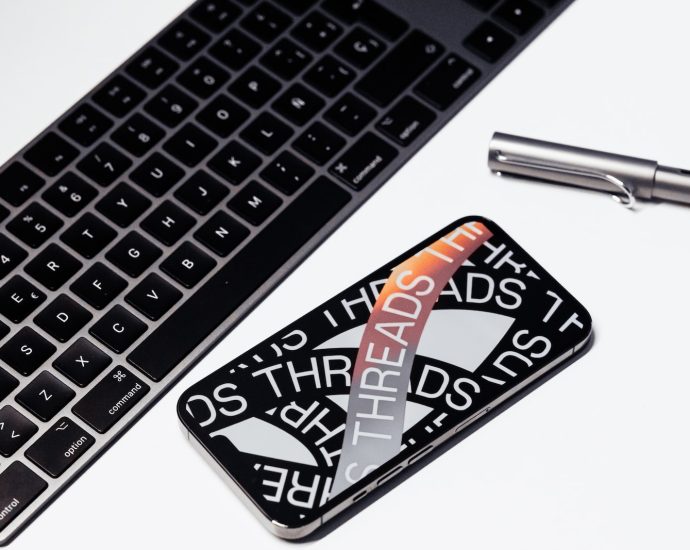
x: 627, y: 177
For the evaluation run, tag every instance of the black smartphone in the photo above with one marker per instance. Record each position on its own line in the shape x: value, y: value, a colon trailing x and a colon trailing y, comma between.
x: 331, y: 407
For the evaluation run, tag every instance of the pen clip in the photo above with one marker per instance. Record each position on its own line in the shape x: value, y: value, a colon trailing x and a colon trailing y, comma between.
x: 627, y: 200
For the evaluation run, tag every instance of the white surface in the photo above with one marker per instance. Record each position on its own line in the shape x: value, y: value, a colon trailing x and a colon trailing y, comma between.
x: 596, y: 458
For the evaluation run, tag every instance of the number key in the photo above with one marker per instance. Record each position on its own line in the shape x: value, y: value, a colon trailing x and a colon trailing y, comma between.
x: 104, y: 164
x: 69, y: 194
x: 45, y: 396
x: 266, y: 22
x: 329, y: 76
x: 286, y: 59
x: 11, y: 255
x: 317, y: 31
x: 138, y: 135
x: 35, y: 225
x: 170, y: 106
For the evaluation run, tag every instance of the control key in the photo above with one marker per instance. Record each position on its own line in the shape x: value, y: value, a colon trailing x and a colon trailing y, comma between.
x: 19, y: 487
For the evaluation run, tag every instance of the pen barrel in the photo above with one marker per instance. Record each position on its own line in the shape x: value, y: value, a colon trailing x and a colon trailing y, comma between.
x: 569, y: 165
x: 672, y: 184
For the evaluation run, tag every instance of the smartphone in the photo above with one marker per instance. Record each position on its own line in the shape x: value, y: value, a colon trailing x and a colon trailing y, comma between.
x: 330, y: 408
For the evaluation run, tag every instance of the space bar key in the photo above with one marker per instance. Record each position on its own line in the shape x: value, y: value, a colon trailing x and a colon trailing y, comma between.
x: 230, y: 287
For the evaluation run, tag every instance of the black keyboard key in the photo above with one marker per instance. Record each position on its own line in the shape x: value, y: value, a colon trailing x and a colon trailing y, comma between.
x: 11, y: 255
x: 7, y: 383
x: 4, y: 212
x: 405, y: 121
x: 18, y: 183
x: 18, y: 298
x: 19, y: 487
x: 157, y: 174
x: 53, y: 267
x: 201, y: 192
x: 235, y: 162
x: 318, y: 143
x: 119, y: 96
x: 399, y: 68
x: 255, y: 87
x: 238, y: 279
x: 223, y: 115
x: 287, y: 173
x: 110, y: 399
x: 152, y: 67
x: 138, y: 135
x: 363, y: 161
x: 170, y: 106
x: 98, y: 285
x: 82, y: 362
x: 297, y: 6
x: 317, y: 31
x: 133, y: 254
x: 215, y: 15
x: 69, y: 194
x: 266, y: 133
x: 122, y: 205
x: 518, y: 15
x: 489, y: 41
x: 360, y: 47
x: 190, y: 145
x: 118, y: 329
x: 447, y: 82
x: 221, y: 233
x: 15, y: 430
x: 45, y: 396
x: 369, y: 13
x: 254, y: 203
x: 60, y: 447
x: 184, y: 40
x: 168, y: 223
x: 266, y: 22
x: 298, y: 104
x: 51, y: 154
x: 203, y: 77
x: 188, y: 265
x: 484, y: 5
x: 235, y: 49
x: 88, y: 235
x: 104, y: 164
x: 85, y: 124
x: 26, y: 351
x: 34, y: 225
x: 153, y: 296
x: 350, y: 114
x: 63, y: 318
x: 286, y: 59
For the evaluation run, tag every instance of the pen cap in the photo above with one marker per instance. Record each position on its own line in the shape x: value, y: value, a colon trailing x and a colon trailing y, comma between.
x: 672, y: 184
x: 569, y: 165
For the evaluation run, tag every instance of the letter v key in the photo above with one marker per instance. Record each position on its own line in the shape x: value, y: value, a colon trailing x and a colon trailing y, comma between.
x: 152, y: 294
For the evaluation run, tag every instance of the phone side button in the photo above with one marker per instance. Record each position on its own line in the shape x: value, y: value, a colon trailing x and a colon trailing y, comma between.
x: 415, y: 457
x: 472, y: 418
x: 395, y: 471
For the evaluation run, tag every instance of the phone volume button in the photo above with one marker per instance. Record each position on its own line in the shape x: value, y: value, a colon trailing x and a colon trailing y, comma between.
x: 472, y: 418
x: 395, y: 471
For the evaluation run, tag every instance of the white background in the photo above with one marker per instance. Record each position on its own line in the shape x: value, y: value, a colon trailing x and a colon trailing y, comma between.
x: 597, y: 457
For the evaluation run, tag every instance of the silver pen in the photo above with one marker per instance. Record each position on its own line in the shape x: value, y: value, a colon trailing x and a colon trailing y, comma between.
x: 626, y: 177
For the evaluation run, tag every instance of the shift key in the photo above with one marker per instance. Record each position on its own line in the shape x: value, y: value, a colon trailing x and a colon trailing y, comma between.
x: 111, y: 399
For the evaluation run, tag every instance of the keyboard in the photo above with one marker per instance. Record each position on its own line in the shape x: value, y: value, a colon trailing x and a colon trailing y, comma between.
x: 145, y: 222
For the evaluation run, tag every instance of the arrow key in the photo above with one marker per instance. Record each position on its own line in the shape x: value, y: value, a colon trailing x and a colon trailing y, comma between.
x: 15, y: 430
x: 153, y: 296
